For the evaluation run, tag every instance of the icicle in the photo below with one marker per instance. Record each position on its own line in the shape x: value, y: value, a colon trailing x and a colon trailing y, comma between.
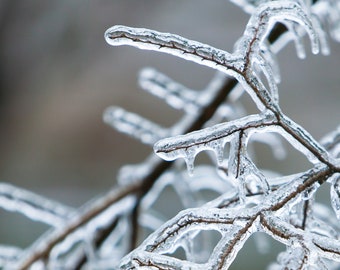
x: 189, y: 158
x: 134, y: 125
x: 218, y: 148
x: 237, y: 166
x: 280, y: 11
x: 252, y: 171
x: 298, y: 40
x: 335, y: 195
x: 322, y: 35
x: 334, y: 19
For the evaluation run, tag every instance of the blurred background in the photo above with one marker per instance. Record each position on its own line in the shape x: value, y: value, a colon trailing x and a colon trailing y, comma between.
x: 58, y: 75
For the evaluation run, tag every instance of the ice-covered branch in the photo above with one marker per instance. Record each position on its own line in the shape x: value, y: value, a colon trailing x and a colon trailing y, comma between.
x: 134, y: 125
x: 284, y: 232
x: 279, y: 206
x: 33, y: 206
x: 236, y: 226
x: 175, y: 94
x: 43, y: 246
x: 173, y: 44
x: 9, y: 254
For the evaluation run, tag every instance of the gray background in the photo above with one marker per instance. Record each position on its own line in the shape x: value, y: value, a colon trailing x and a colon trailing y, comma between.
x: 58, y: 75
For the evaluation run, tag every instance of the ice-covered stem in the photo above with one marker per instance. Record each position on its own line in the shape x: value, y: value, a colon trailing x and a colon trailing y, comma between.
x: 132, y: 188
x: 232, y: 225
x: 236, y: 226
x: 238, y: 64
x: 33, y: 206
x: 284, y: 232
x: 134, y: 125
x: 100, y: 237
x: 143, y: 186
x: 173, y: 93
x: 42, y: 248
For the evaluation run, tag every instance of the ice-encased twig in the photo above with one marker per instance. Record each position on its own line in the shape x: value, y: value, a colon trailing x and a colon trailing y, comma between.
x: 86, y: 233
x: 175, y: 94
x: 214, y: 138
x: 173, y: 44
x: 265, y: 16
x: 170, y: 236
x: 9, y: 254
x: 208, y: 138
x: 326, y: 247
x: 43, y: 246
x: 33, y: 206
x: 331, y: 142
x: 235, y: 219
x: 134, y: 125
x: 232, y: 64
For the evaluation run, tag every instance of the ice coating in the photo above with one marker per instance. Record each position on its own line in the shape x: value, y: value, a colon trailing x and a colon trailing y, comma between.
x: 319, y: 28
x: 115, y: 246
x: 304, y: 17
x: 247, y: 51
x: 173, y: 44
x: 310, y: 192
x: 270, y: 58
x: 333, y: 16
x: 274, y: 208
x: 268, y: 73
x: 280, y: 11
x: 175, y: 94
x: 331, y: 142
x: 33, y: 206
x: 96, y: 224
x: 177, y: 147
x: 8, y: 254
x: 335, y: 195
x: 312, y: 146
x: 134, y: 125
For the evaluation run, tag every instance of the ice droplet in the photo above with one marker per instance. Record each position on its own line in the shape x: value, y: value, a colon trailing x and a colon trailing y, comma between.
x: 335, y: 195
